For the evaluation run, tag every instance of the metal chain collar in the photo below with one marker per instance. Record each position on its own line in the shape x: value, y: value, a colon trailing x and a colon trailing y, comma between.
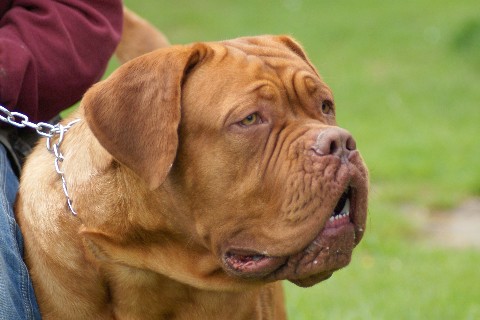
x: 54, y: 135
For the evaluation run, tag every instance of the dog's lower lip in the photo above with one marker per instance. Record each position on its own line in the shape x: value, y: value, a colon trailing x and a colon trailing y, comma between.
x: 242, y: 257
x: 252, y: 264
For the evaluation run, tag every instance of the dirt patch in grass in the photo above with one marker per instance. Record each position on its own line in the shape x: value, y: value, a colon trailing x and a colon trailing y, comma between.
x: 459, y: 227
x: 456, y: 228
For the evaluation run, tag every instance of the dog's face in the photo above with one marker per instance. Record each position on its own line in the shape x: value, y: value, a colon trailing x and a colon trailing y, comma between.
x: 242, y: 137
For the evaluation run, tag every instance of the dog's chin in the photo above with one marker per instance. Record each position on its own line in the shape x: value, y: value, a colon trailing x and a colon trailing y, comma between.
x: 330, y: 250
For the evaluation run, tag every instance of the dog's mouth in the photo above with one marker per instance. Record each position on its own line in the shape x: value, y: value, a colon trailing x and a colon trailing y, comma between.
x: 251, y: 264
x: 341, y: 212
x: 329, y: 251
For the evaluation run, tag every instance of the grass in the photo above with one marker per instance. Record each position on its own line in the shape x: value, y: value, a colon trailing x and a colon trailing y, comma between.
x: 406, y: 77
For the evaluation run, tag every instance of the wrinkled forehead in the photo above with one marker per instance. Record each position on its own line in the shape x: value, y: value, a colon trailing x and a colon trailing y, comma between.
x: 265, y: 52
x: 264, y: 48
x: 265, y: 58
x: 243, y: 72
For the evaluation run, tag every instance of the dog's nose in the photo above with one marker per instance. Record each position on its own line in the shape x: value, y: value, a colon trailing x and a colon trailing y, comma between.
x: 335, y: 141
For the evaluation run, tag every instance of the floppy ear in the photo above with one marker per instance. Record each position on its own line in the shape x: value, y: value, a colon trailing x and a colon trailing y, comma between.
x: 293, y: 45
x: 135, y: 113
x: 296, y: 48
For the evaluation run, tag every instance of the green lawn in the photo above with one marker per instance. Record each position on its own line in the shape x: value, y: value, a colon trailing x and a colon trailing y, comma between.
x: 406, y: 78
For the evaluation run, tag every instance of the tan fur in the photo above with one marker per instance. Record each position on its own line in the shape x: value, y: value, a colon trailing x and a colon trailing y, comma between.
x: 166, y: 183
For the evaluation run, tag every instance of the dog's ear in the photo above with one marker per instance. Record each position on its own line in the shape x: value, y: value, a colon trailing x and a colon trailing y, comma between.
x: 293, y: 45
x: 135, y: 113
x: 296, y: 48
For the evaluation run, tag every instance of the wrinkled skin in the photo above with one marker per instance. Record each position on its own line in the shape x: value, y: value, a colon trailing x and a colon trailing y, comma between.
x: 201, y: 175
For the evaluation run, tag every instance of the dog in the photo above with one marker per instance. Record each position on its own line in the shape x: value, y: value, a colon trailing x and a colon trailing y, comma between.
x: 201, y: 175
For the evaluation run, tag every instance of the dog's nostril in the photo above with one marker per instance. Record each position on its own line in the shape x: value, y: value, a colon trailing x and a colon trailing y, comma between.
x: 333, y: 147
x: 351, y: 144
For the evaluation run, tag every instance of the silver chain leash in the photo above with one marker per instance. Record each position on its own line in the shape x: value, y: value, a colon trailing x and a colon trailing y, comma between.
x: 51, y: 132
x: 54, y: 148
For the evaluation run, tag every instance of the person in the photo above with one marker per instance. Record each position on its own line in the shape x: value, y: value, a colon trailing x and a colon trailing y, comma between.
x: 51, y: 52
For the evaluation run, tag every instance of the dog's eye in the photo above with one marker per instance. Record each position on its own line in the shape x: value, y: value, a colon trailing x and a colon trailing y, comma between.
x: 251, y: 119
x: 327, y: 107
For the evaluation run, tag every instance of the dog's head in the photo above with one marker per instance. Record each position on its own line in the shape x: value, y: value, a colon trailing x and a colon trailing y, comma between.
x: 237, y: 144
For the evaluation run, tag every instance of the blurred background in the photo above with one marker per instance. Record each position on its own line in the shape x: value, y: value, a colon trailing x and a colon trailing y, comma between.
x: 406, y: 78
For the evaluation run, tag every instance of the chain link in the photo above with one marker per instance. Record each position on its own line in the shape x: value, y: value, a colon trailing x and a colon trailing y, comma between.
x: 54, y: 134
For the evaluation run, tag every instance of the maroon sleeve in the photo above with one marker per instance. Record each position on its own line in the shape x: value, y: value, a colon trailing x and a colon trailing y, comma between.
x: 51, y: 51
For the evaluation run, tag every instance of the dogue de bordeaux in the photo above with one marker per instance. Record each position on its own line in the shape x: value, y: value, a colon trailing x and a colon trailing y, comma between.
x: 201, y: 176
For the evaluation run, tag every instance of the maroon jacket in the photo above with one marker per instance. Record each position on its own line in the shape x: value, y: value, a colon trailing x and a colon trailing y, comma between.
x: 51, y: 51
